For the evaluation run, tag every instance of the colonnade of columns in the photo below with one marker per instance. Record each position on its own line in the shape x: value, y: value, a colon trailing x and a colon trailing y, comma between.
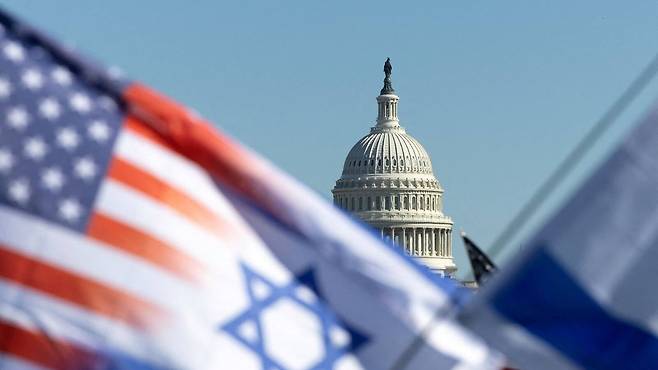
x: 420, y: 241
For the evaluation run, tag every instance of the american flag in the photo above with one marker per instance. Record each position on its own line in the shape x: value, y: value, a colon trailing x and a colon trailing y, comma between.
x: 134, y: 236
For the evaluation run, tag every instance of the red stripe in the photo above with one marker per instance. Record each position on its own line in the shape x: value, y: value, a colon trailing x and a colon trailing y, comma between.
x: 144, y: 246
x: 200, y: 142
x: 138, y: 179
x: 45, y: 351
x: 137, y: 127
x: 77, y: 290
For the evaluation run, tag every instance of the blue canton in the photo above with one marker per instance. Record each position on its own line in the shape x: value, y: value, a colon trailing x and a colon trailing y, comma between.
x: 56, y: 133
x: 316, y: 306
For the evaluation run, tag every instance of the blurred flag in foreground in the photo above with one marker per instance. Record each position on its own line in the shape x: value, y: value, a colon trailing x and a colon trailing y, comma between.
x: 583, y: 295
x: 135, y: 236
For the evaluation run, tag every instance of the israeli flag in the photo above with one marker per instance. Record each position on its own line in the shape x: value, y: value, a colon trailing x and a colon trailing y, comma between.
x: 584, y: 294
x: 349, y: 301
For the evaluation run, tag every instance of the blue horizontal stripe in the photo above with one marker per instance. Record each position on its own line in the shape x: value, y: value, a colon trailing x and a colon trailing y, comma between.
x: 550, y: 304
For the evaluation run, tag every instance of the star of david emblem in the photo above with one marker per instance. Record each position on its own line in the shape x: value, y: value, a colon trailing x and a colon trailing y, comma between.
x: 318, y: 337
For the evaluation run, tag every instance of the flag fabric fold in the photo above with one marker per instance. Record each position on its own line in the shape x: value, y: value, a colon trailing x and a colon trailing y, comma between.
x: 134, y: 235
x: 582, y: 295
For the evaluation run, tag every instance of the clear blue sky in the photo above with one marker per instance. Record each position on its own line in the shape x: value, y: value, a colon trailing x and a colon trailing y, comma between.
x: 497, y: 91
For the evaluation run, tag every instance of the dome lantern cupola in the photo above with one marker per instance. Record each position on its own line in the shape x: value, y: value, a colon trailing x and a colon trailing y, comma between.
x: 387, y: 101
x: 388, y: 182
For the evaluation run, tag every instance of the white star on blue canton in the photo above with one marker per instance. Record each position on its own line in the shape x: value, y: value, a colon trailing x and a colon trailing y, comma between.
x: 67, y: 138
x: 61, y: 76
x: 32, y: 79
x: 35, y: 148
x: 14, y: 51
x: 80, y: 103
x: 99, y: 131
x: 19, y: 191
x: 85, y: 168
x: 50, y: 108
x: 52, y: 178
x: 70, y: 210
x: 17, y: 118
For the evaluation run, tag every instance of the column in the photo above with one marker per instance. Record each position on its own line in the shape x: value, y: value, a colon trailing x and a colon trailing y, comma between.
x: 425, y: 241
x: 441, y: 252
x: 449, y: 242
x: 433, y: 244
x: 443, y: 242
x: 423, y: 247
x: 381, y: 231
x: 404, y: 240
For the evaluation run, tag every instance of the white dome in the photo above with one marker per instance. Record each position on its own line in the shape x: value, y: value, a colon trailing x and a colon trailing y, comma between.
x: 387, y: 151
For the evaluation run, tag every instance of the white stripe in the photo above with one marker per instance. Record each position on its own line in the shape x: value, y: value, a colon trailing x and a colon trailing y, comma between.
x: 173, y: 169
x: 222, y: 293
x: 37, y: 312
x: 179, y: 346
x: 93, y: 260
x: 131, y: 207
x: 9, y: 362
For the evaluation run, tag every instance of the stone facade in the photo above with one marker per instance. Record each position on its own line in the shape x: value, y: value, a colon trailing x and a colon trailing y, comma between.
x: 388, y: 182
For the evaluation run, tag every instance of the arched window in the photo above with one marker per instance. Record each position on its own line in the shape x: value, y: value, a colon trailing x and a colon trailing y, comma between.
x: 352, y: 201
x: 360, y: 203
x: 421, y: 205
x: 398, y: 202
x: 388, y: 203
x: 369, y: 205
x: 406, y: 202
x: 413, y: 203
x: 379, y: 203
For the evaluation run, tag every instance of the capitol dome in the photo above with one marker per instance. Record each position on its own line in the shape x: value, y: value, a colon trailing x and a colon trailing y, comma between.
x: 388, y: 182
x: 387, y: 150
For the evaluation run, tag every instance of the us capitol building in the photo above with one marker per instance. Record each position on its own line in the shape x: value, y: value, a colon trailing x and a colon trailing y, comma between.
x: 388, y: 182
